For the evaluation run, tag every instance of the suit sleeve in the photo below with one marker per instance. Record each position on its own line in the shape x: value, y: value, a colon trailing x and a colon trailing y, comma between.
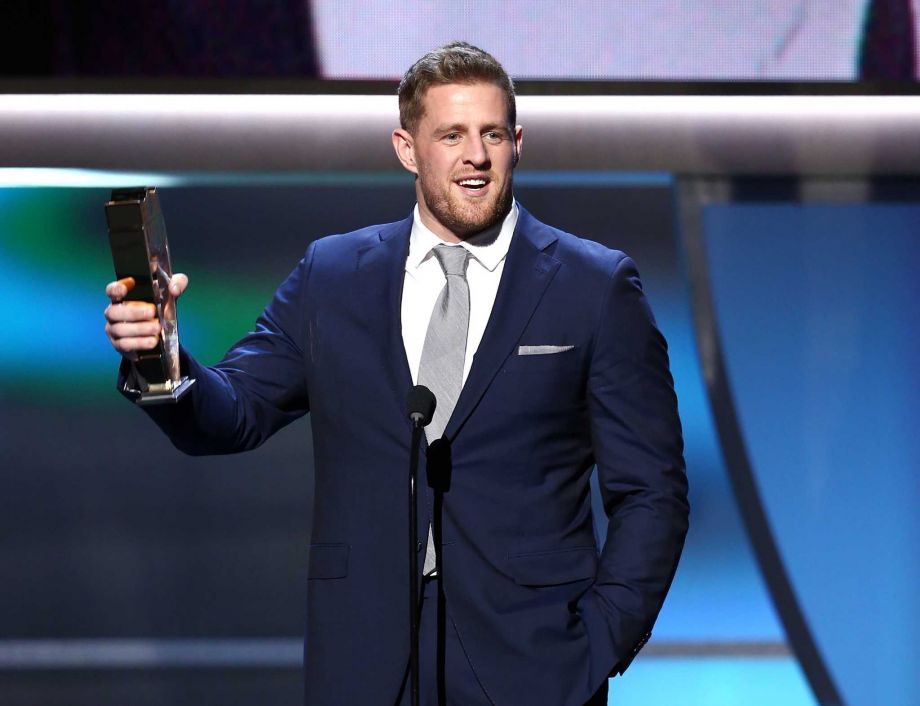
x: 638, y: 448
x: 258, y: 387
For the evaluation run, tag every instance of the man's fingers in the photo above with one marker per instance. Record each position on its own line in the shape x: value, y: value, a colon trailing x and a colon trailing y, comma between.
x: 133, y: 326
x: 126, y: 346
x: 118, y: 290
x: 126, y: 329
x: 127, y: 338
x: 177, y: 284
x: 130, y: 311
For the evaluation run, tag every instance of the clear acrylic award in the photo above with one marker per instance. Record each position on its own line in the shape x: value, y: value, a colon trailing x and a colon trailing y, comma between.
x: 137, y: 235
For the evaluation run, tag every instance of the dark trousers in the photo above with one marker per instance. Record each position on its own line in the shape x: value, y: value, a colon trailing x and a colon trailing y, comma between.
x: 446, y: 677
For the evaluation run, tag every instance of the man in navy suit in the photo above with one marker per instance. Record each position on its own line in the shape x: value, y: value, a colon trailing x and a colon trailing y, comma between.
x: 563, y: 369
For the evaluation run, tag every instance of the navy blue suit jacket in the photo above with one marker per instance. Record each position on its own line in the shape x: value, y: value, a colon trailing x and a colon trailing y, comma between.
x: 544, y: 617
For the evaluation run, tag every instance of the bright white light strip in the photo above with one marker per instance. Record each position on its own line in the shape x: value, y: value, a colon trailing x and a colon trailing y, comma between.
x: 205, y: 106
x: 326, y: 134
x: 80, y: 178
x: 382, y: 106
x: 837, y: 107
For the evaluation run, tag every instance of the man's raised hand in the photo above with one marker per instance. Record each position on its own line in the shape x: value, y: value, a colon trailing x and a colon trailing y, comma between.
x: 133, y: 326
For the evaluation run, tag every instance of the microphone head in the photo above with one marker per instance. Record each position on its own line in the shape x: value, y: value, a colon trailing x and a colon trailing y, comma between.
x: 420, y: 405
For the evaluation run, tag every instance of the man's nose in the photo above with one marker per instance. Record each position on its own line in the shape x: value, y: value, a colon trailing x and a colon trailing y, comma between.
x: 475, y: 152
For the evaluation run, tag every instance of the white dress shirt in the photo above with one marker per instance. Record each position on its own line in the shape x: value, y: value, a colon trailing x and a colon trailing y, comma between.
x: 424, y: 280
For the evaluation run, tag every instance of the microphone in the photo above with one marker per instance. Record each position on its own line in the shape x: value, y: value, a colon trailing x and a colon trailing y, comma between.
x: 420, y: 406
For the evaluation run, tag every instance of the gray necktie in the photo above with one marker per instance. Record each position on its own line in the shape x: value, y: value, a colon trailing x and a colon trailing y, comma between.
x: 441, y: 366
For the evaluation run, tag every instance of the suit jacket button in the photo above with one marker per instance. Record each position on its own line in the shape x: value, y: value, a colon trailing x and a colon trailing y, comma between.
x: 418, y: 547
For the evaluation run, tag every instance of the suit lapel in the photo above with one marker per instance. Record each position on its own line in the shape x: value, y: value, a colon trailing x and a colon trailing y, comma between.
x: 381, y: 272
x: 527, y: 273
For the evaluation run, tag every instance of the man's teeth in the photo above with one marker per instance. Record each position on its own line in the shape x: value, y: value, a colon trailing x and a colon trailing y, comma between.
x: 474, y: 183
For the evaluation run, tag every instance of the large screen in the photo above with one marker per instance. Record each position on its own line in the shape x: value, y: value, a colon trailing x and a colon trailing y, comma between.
x: 634, y: 39
x: 644, y: 40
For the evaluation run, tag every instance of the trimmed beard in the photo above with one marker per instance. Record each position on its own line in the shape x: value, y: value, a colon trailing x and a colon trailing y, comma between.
x: 465, y: 222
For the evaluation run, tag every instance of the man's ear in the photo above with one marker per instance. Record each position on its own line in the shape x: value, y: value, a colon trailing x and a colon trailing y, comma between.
x: 518, y: 143
x: 405, y: 149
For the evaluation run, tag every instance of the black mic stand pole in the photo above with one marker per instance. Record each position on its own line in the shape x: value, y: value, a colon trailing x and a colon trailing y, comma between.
x: 421, y: 406
x: 413, y: 560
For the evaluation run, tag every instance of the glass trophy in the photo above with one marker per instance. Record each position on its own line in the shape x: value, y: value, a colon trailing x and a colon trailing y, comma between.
x: 137, y: 236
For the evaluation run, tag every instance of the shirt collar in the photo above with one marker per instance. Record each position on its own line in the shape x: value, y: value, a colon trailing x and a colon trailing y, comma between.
x: 422, y: 241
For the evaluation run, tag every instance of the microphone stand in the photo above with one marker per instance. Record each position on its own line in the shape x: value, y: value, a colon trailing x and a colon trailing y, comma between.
x: 420, y: 405
x: 417, y: 428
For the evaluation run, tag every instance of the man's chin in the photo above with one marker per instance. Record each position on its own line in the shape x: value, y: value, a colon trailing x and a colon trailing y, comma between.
x: 468, y: 224
x: 469, y: 228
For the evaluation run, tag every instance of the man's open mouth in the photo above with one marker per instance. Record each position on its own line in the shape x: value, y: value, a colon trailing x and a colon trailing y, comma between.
x: 473, y: 185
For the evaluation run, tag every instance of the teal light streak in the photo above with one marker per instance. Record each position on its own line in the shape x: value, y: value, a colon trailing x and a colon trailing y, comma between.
x: 55, y: 263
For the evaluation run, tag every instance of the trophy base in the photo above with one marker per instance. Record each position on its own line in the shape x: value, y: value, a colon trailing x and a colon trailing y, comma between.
x: 166, y: 396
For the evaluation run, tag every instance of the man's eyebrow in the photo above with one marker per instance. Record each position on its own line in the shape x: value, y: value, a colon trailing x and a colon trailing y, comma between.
x: 461, y: 127
x: 456, y: 127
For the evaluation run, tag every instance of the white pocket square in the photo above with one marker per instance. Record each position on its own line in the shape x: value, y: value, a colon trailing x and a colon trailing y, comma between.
x: 542, y: 350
